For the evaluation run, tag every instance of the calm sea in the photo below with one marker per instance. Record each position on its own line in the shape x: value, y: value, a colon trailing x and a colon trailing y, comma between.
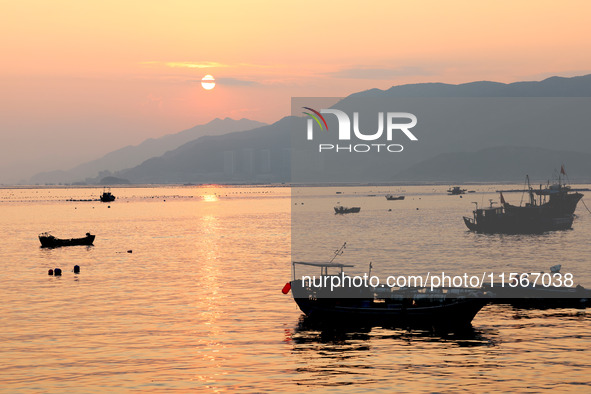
x: 197, y: 304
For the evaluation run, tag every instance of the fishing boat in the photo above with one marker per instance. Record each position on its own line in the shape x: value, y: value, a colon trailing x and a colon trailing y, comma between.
x: 107, y: 196
x: 537, y: 291
x: 390, y: 197
x: 411, y: 306
x: 456, y: 190
x: 339, y: 209
x: 49, y: 241
x: 552, y: 210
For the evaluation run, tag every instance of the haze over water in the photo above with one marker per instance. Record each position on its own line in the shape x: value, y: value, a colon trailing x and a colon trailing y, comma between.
x: 197, y: 305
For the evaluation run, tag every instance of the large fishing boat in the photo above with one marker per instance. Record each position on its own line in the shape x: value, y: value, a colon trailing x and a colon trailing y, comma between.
x: 107, y: 196
x: 408, y: 306
x: 455, y: 191
x: 548, y: 208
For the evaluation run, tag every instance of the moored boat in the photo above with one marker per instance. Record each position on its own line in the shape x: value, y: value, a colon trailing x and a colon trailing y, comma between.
x: 552, y: 210
x: 540, y: 291
x: 49, y: 241
x: 339, y: 209
x: 413, y: 306
x: 390, y: 197
x: 107, y: 196
x: 456, y: 190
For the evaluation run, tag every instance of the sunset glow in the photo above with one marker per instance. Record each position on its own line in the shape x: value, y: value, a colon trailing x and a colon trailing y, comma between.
x: 108, y: 74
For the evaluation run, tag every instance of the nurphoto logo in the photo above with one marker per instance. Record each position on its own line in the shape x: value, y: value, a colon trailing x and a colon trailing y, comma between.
x: 393, y: 128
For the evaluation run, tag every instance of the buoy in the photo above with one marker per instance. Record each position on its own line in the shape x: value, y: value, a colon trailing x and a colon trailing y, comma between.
x: 286, y: 288
x: 417, y: 209
x: 50, y: 272
x: 76, y: 269
x: 109, y: 206
x: 57, y: 272
x: 130, y: 251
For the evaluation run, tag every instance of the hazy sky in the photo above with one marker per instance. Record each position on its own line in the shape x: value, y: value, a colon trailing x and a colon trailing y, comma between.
x: 81, y: 78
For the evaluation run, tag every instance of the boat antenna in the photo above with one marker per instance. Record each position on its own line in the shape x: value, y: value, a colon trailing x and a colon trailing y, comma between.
x: 338, y: 252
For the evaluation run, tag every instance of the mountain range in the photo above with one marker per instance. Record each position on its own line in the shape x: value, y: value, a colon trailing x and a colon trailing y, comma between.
x: 473, y: 132
x: 131, y: 156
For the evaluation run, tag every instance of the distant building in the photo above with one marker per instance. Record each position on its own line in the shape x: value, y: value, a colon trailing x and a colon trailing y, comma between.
x: 229, y: 163
x: 264, y: 161
x: 247, y: 162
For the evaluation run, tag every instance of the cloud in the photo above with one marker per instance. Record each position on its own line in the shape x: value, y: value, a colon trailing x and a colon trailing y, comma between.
x: 205, y: 64
x: 379, y: 73
x: 228, y: 81
x: 189, y: 64
x: 236, y: 82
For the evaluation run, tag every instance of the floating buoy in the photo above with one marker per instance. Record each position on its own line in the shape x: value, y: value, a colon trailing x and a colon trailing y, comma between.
x: 390, y: 210
x: 417, y: 209
x: 130, y: 251
x: 76, y: 269
x: 286, y: 288
x: 57, y: 272
x: 109, y: 206
x: 50, y: 272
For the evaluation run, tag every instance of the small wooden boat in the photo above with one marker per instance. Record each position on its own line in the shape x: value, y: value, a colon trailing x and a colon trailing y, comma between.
x: 49, y: 241
x: 390, y: 197
x: 339, y: 209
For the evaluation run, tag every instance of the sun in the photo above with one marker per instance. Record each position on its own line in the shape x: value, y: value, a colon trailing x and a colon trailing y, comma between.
x: 208, y: 82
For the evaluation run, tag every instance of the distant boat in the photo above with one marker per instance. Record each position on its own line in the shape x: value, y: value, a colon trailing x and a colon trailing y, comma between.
x: 456, y: 190
x: 554, y: 210
x: 339, y: 209
x: 107, y: 196
x: 390, y: 197
x: 49, y: 241
x: 440, y: 307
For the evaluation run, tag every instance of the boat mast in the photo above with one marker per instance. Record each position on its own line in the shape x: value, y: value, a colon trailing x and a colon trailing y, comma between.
x: 532, y: 200
x: 338, y: 252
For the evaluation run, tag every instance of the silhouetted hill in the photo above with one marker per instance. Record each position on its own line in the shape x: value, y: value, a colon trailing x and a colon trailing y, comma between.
x: 551, y: 87
x: 474, y: 119
x: 131, y: 156
x: 258, y: 155
x: 499, y: 164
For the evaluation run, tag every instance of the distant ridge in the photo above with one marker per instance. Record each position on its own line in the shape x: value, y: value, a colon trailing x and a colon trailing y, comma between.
x: 260, y: 155
x: 447, y: 152
x: 448, y: 155
x: 131, y: 156
x: 499, y: 164
x: 551, y: 87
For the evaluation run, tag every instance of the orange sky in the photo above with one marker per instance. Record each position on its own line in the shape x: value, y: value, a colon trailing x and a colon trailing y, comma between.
x: 81, y: 78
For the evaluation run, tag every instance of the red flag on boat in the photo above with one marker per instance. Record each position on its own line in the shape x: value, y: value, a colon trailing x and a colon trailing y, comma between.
x: 286, y: 288
x: 502, y: 198
x: 562, y: 170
